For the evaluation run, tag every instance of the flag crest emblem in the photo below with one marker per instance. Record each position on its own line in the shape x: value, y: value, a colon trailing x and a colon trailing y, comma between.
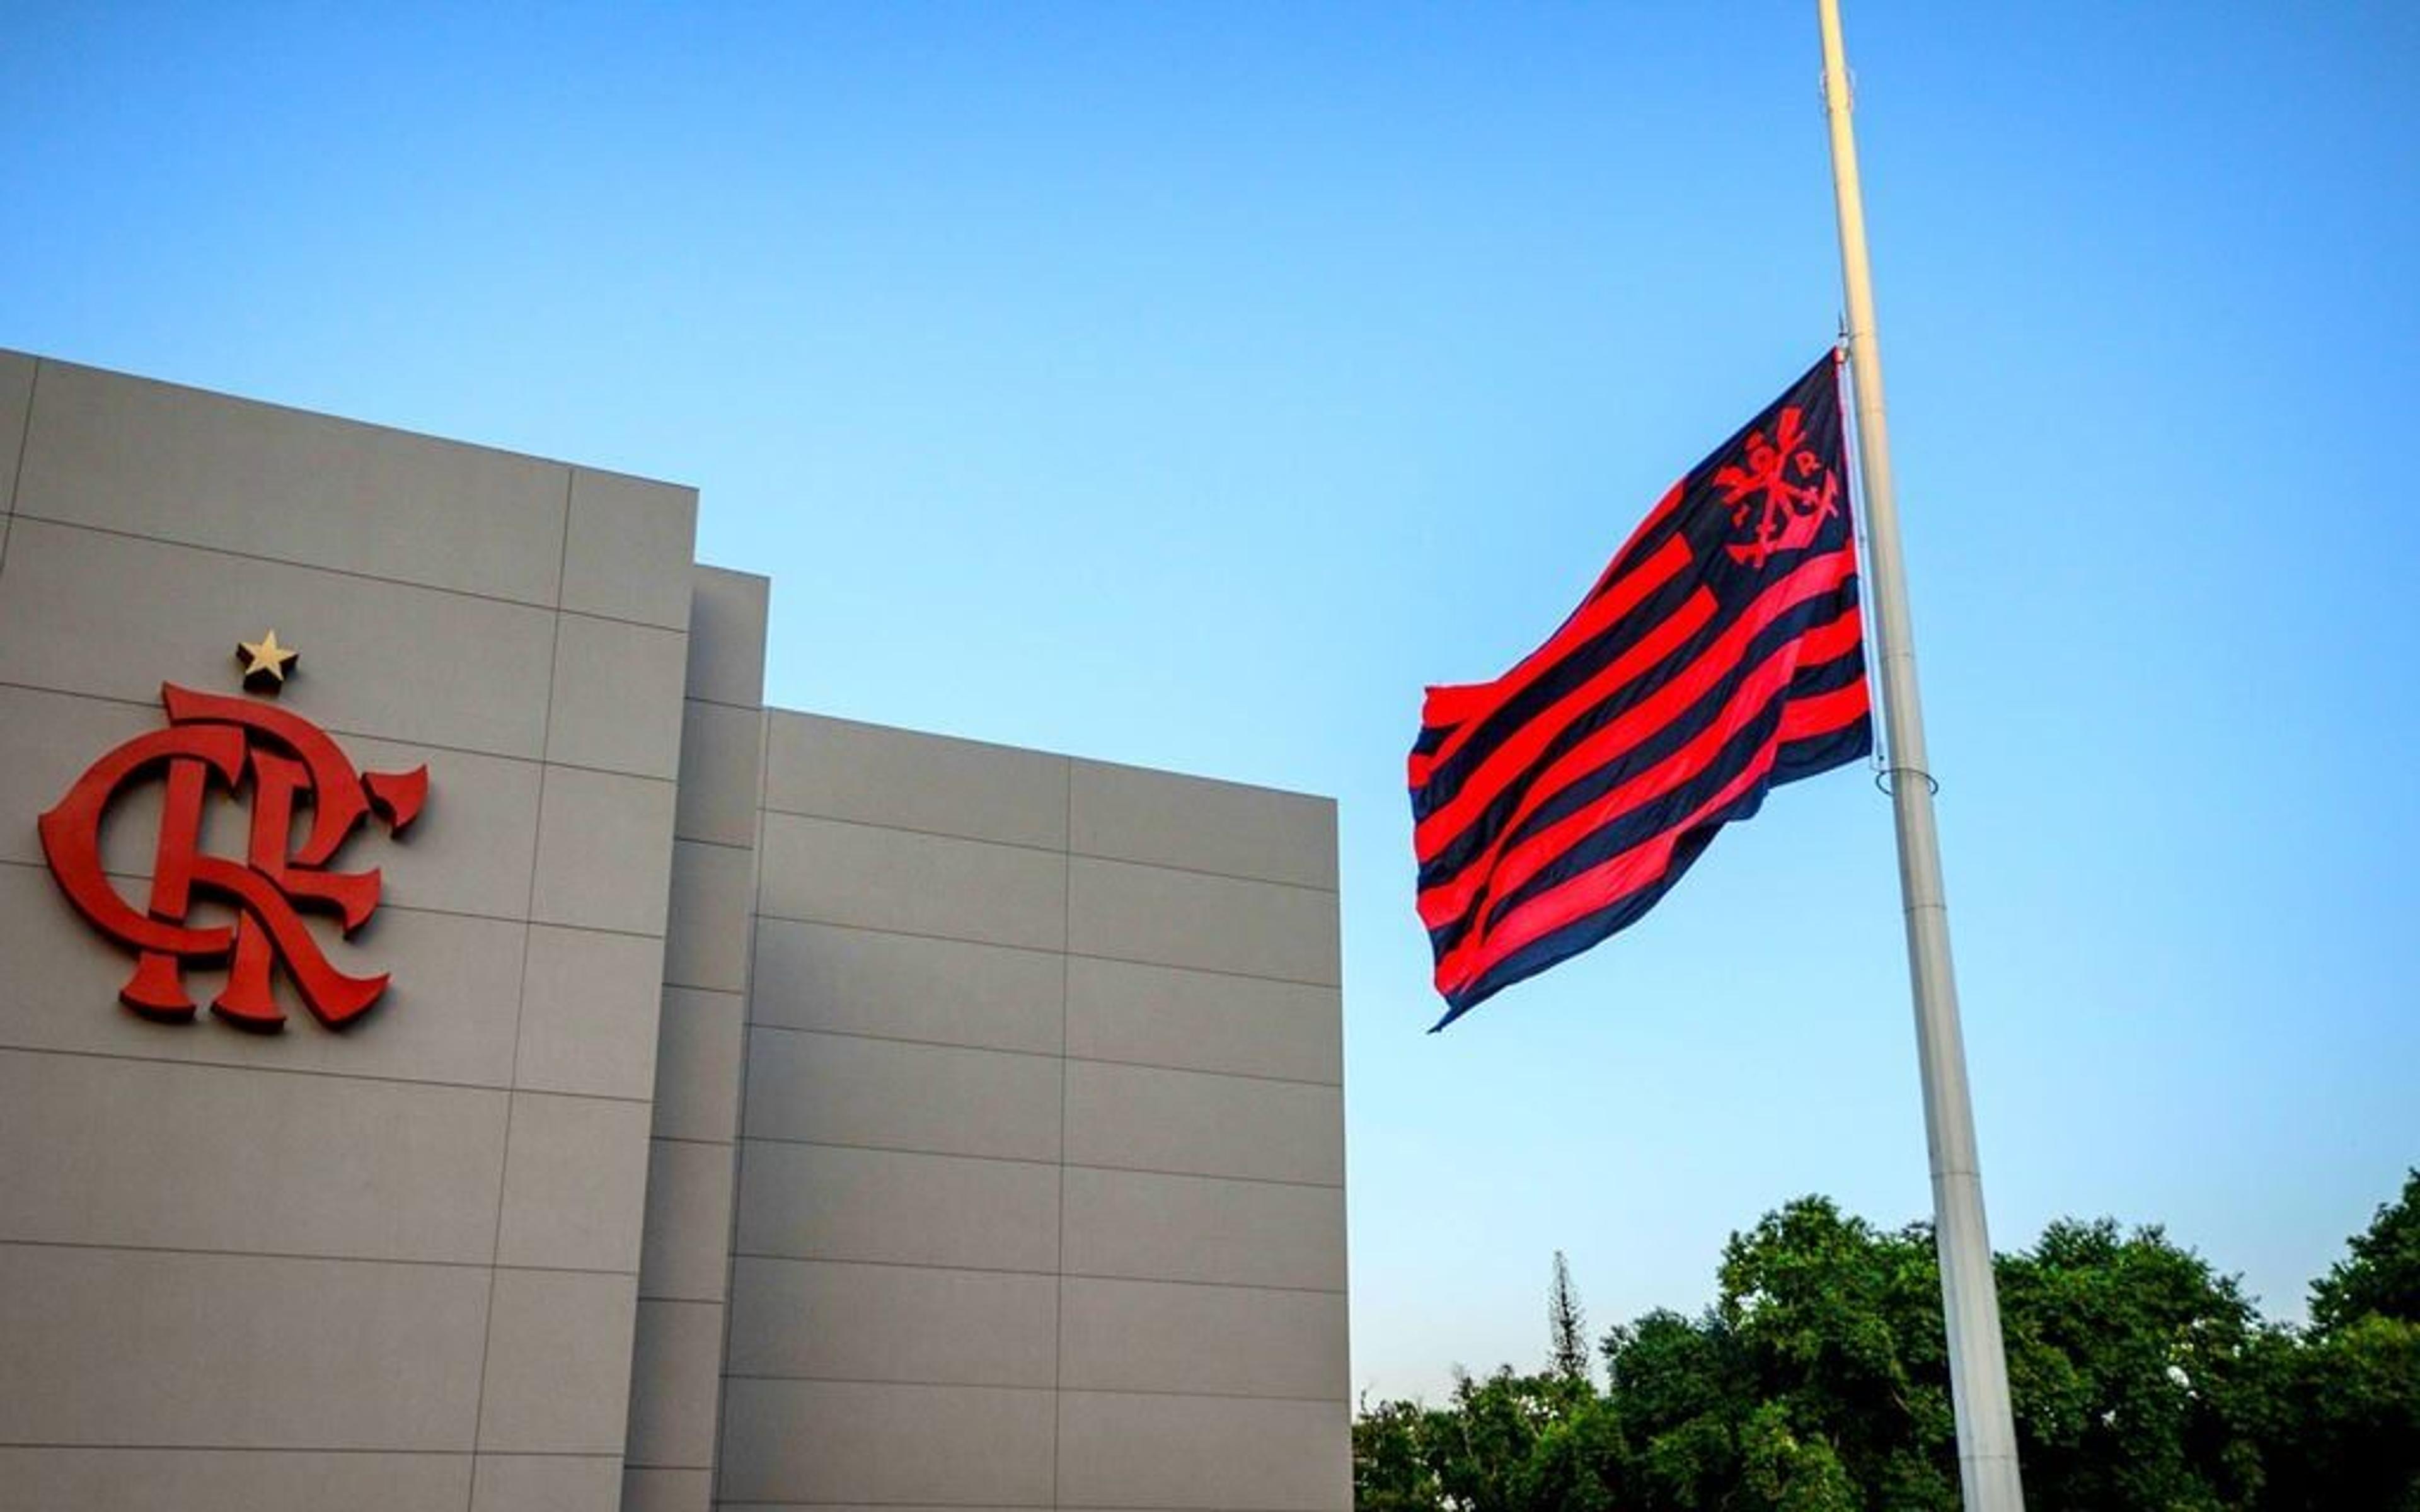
x: 1719, y: 654
x: 1783, y: 495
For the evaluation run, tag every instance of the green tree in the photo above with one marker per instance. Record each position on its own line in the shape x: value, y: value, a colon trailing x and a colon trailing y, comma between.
x: 1816, y: 1380
x: 1566, y: 1325
x: 1840, y: 1325
x: 2332, y: 1421
x: 1392, y: 1469
x: 2381, y: 1275
x: 2127, y: 1356
x: 1787, y: 1473
x: 2142, y: 1379
x: 2333, y: 1418
x: 1497, y: 1423
x: 1580, y: 1463
x: 1680, y: 1389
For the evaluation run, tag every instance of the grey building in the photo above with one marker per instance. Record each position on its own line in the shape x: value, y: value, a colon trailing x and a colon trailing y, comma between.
x: 762, y: 1110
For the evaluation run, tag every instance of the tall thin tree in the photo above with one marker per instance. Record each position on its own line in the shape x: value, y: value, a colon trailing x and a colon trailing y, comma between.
x: 1566, y: 1325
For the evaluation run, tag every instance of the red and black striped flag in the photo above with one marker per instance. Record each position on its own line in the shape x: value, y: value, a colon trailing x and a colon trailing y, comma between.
x: 1717, y: 655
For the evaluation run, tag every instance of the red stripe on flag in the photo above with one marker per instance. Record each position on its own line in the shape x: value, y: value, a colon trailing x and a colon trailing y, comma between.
x: 1430, y: 835
x: 1501, y: 876
x: 1610, y: 881
x: 1504, y: 764
x: 1821, y: 713
x: 1461, y: 705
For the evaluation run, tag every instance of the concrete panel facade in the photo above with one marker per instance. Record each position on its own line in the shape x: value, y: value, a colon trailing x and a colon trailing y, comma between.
x: 1042, y: 1152
x: 392, y: 1266
x: 683, y: 1272
x: 765, y: 1110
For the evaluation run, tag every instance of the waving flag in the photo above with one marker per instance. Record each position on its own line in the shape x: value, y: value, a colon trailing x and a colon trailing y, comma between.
x: 1717, y: 655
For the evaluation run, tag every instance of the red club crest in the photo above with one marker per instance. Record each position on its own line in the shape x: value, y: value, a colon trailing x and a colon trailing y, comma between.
x: 294, y: 773
x: 1782, y: 496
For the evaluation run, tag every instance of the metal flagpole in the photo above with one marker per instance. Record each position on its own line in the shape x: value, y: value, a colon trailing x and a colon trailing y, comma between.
x: 1978, y: 1371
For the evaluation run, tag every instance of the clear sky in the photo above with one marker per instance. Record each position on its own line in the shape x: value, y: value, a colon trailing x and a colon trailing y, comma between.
x: 1187, y: 385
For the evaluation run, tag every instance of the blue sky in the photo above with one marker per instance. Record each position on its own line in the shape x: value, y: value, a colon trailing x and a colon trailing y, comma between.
x: 1189, y: 385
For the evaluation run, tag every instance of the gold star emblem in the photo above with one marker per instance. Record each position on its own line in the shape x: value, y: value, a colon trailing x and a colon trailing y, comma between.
x: 266, y: 663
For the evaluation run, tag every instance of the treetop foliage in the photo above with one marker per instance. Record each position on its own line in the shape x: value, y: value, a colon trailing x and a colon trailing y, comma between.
x: 1567, y: 1352
x: 1818, y: 1381
x: 2381, y: 1275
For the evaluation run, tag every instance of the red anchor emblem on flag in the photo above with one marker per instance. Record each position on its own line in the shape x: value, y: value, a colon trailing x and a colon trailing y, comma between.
x: 295, y: 773
x: 1782, y: 496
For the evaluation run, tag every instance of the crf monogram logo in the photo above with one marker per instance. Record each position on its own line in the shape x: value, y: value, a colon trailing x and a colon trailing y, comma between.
x: 293, y: 772
x: 1784, y: 494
